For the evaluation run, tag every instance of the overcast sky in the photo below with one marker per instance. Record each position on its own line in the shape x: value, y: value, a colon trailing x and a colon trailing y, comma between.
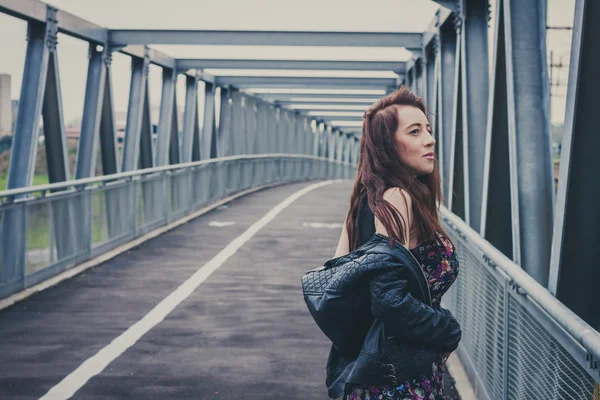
x: 310, y: 15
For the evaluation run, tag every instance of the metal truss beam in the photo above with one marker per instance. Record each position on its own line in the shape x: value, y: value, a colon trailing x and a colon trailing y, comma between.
x: 135, y: 111
x: 208, y: 146
x: 395, y: 66
x: 449, y: 4
x: 529, y: 128
x: 337, y: 96
x: 574, y: 271
x: 34, y: 10
x: 324, y: 103
x: 92, y: 114
x: 446, y: 88
x: 265, y: 38
x: 190, y: 119
x: 156, y: 57
x: 165, y: 123
x: 336, y: 117
x: 475, y: 91
x: 327, y: 110
x: 304, y: 82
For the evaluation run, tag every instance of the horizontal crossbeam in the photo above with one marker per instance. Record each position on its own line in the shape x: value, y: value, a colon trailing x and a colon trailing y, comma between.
x: 266, y: 38
x: 330, y: 96
x: 346, y: 118
x: 395, y: 66
x: 324, y: 104
x: 304, y: 82
x: 35, y: 10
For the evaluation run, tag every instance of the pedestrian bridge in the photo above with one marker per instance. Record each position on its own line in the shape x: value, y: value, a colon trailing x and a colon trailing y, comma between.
x: 176, y: 272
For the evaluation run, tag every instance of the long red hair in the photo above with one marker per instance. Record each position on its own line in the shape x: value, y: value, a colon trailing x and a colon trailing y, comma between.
x: 380, y: 167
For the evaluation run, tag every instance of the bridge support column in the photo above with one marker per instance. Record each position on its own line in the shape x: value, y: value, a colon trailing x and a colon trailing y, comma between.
x: 474, y: 93
x: 574, y: 271
x: 167, y: 114
x: 446, y: 84
x: 190, y: 141
x: 208, y: 149
x: 521, y: 82
x: 135, y: 113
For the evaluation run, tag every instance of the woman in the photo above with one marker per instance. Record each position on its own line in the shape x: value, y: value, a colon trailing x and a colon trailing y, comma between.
x: 396, y: 194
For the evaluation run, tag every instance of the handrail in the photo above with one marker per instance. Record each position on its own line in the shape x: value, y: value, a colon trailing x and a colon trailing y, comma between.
x: 122, y: 175
x: 586, y: 335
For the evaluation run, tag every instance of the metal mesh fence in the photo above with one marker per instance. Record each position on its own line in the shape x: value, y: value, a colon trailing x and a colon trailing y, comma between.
x: 511, y: 347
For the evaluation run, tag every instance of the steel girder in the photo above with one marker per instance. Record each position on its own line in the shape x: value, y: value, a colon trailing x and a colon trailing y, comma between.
x: 318, y: 109
x: 265, y: 38
x: 304, y: 82
x: 332, y: 96
x: 346, y: 118
x: 323, y: 103
x: 395, y: 66
x: 519, y: 123
x: 137, y: 127
x: 167, y: 113
x: 190, y: 144
x: 475, y: 96
x: 574, y: 272
x: 35, y: 11
x: 446, y: 84
x: 459, y: 95
x: 40, y: 96
x: 97, y: 119
x: 208, y: 148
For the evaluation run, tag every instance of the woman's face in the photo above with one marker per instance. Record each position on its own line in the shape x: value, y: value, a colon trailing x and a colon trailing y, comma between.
x: 414, y: 141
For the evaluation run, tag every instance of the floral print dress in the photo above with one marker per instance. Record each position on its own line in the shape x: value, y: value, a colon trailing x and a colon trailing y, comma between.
x: 440, y: 264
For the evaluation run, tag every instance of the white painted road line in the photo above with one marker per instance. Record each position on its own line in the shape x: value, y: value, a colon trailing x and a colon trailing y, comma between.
x: 319, y: 225
x: 96, y: 364
x: 218, y: 224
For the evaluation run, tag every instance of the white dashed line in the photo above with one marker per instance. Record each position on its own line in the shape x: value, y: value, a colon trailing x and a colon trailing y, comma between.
x: 218, y: 224
x: 321, y: 225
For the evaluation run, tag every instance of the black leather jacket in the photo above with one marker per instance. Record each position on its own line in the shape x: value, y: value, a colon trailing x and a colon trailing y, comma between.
x: 377, y: 312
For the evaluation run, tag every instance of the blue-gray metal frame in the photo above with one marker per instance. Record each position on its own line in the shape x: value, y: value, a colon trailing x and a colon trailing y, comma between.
x: 92, y: 114
x: 190, y: 119
x: 304, y: 82
x: 265, y: 38
x: 303, y: 102
x: 446, y: 88
x: 475, y: 81
x: 108, y: 138
x: 318, y: 95
x: 225, y: 138
x: 165, y: 122
x: 175, y: 140
x: 208, y: 146
x: 396, y: 66
x: 529, y: 127
x: 519, y: 109
x: 496, y: 200
x: 146, y: 155
x: 574, y: 271
x: 135, y: 111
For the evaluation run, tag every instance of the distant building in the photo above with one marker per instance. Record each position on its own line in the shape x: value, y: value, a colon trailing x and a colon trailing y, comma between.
x: 6, y: 118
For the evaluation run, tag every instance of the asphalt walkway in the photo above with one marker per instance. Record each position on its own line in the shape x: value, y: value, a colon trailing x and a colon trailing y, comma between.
x: 243, y: 333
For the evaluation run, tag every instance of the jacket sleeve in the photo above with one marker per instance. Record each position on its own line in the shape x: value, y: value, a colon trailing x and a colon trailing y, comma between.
x: 404, y: 315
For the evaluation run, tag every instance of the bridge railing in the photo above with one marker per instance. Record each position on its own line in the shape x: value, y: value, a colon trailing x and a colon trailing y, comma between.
x: 47, y: 229
x: 519, y: 341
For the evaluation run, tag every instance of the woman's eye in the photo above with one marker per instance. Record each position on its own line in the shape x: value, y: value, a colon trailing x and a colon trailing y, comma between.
x: 415, y: 131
